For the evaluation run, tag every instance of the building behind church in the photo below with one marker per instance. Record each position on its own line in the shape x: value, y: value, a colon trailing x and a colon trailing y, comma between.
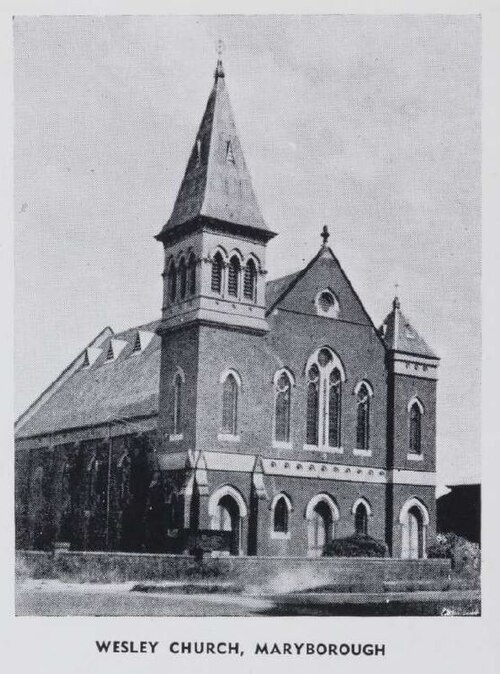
x: 273, y: 413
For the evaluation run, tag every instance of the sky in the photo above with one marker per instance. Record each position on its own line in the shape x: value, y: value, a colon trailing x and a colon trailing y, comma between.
x: 367, y: 124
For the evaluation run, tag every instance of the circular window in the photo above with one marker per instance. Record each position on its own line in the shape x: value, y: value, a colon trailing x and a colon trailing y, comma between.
x: 326, y: 304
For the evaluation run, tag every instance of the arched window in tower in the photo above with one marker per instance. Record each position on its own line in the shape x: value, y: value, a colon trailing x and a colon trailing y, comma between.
x: 334, y: 408
x: 415, y: 445
x: 172, y: 282
x: 283, y: 394
x: 361, y: 519
x: 217, y: 266
x: 182, y: 274
x: 229, y: 405
x: 363, y: 418
x: 280, y: 516
x: 233, y: 276
x: 177, y: 405
x: 192, y: 274
x: 312, y: 414
x: 249, y: 280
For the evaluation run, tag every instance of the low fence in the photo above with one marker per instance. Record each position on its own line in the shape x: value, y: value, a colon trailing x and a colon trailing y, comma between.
x: 274, y: 573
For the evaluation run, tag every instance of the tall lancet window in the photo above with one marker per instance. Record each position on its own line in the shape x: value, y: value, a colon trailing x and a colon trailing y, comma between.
x: 249, y: 280
x: 283, y: 394
x: 361, y: 519
x: 172, y: 282
x: 217, y: 267
x: 177, y: 405
x: 325, y: 375
x: 334, y: 403
x: 312, y: 415
x: 415, y: 428
x: 233, y: 277
x: 182, y: 272
x: 363, y: 417
x: 192, y: 274
x: 229, y: 405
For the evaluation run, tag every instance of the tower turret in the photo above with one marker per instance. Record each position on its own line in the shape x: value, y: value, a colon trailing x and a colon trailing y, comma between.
x: 216, y: 237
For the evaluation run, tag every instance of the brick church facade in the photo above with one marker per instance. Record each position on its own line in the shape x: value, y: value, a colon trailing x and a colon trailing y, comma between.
x: 273, y: 411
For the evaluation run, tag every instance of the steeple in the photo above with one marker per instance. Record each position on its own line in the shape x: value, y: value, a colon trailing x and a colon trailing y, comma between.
x: 215, y: 240
x: 217, y: 184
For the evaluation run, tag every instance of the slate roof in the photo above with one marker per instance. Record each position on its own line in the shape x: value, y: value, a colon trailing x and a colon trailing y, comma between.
x: 122, y: 388
x: 276, y: 287
x: 400, y: 335
x: 217, y: 183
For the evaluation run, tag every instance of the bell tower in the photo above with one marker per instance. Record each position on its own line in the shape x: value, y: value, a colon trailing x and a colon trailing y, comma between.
x: 215, y: 240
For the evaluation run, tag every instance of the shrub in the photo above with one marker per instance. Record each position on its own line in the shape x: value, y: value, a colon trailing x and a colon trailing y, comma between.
x: 357, y: 545
x: 465, y: 556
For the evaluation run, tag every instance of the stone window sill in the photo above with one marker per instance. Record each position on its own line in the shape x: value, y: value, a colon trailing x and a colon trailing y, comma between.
x: 362, y: 452
x: 280, y: 444
x: 415, y: 457
x: 280, y: 535
x: 176, y: 437
x: 328, y: 450
x: 228, y: 437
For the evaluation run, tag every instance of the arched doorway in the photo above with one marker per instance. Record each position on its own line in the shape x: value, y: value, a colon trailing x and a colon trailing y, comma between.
x: 361, y: 510
x: 414, y: 519
x: 321, y: 515
x: 226, y: 509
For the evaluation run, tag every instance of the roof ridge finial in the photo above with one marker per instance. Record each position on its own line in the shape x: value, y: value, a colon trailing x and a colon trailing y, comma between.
x: 396, y: 304
x: 325, y: 235
x: 219, y: 70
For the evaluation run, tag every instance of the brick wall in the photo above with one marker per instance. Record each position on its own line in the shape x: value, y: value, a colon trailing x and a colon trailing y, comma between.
x: 276, y: 573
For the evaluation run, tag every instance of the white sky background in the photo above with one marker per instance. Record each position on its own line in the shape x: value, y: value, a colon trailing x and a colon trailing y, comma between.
x: 369, y: 124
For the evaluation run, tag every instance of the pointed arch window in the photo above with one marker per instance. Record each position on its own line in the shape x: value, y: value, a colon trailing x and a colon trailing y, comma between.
x: 192, y: 274
x: 177, y: 406
x: 217, y: 266
x: 172, y: 282
x: 283, y: 399
x: 415, y: 444
x: 230, y: 389
x: 280, y: 516
x: 249, y: 281
x: 363, y: 417
x: 325, y: 375
x: 312, y: 414
x: 334, y: 408
x: 182, y: 273
x: 233, y: 277
x: 361, y: 519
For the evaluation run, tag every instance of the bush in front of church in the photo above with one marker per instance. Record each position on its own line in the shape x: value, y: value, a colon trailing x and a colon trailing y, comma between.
x: 357, y: 545
x: 465, y: 556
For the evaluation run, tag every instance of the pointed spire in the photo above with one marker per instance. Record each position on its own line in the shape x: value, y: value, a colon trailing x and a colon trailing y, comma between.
x: 219, y: 70
x: 399, y: 335
x: 217, y: 183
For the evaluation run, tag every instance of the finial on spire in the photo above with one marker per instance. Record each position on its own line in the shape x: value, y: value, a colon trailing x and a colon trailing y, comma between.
x: 396, y: 303
x: 325, y: 235
x: 219, y: 70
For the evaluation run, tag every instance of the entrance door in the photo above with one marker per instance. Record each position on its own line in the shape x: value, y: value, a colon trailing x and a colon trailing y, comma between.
x: 413, y: 535
x: 229, y: 519
x: 320, y: 529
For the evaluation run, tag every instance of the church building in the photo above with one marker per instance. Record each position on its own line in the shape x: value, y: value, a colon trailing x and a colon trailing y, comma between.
x: 260, y: 417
